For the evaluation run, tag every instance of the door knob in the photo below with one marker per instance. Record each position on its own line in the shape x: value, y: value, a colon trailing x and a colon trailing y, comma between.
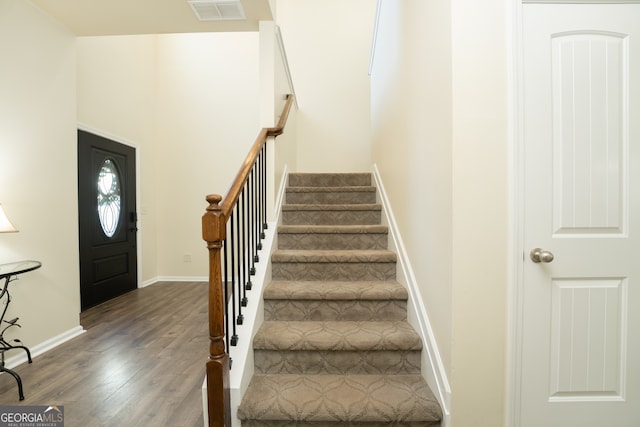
x: 538, y: 255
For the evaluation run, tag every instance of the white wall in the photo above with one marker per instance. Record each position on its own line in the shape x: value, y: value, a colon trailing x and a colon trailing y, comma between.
x: 327, y: 45
x: 439, y: 116
x: 190, y: 103
x: 38, y: 179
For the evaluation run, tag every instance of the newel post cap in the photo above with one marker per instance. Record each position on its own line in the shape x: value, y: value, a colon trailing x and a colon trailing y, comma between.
x: 213, y: 221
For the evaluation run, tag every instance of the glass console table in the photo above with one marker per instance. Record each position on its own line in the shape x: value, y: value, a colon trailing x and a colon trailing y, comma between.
x: 9, y: 273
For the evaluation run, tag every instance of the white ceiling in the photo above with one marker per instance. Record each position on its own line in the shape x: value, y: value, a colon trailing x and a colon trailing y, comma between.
x: 121, y: 17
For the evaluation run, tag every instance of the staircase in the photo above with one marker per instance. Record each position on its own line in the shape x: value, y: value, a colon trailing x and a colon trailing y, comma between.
x: 335, y: 347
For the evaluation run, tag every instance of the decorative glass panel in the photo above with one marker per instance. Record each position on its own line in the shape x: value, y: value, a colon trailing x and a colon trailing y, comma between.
x: 109, y: 197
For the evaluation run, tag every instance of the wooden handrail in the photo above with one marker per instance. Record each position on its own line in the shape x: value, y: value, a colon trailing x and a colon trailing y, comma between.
x: 283, y: 118
x: 233, y: 193
x: 214, y: 226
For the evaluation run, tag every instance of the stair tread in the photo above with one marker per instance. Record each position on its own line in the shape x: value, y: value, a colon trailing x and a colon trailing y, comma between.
x: 337, y: 335
x: 333, y: 229
x: 335, y: 290
x: 344, y: 255
x: 340, y: 398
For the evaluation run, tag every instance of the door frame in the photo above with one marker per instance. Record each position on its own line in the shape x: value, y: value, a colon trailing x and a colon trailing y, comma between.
x: 517, y: 251
x: 136, y: 147
x: 516, y: 206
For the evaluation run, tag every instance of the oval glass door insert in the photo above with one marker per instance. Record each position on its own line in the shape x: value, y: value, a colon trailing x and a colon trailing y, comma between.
x: 109, y: 197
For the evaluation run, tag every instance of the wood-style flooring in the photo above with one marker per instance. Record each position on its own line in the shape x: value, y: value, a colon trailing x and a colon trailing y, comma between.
x: 141, y: 362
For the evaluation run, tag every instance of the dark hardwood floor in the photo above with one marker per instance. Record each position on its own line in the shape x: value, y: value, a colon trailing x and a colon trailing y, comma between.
x: 140, y: 363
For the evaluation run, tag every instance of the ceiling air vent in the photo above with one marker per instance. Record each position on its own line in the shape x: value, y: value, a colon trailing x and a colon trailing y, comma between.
x: 217, y: 10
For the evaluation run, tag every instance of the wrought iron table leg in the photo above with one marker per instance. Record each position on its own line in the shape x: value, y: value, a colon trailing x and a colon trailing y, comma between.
x: 9, y: 371
x: 24, y: 348
x: 18, y: 380
x: 9, y: 272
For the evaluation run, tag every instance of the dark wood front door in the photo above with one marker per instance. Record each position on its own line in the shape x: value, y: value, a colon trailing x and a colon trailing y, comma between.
x: 107, y: 218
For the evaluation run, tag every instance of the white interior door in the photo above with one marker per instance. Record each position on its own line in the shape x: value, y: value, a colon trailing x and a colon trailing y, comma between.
x: 580, y: 360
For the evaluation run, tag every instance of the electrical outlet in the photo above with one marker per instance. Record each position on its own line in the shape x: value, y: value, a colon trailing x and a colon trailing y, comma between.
x: 186, y: 257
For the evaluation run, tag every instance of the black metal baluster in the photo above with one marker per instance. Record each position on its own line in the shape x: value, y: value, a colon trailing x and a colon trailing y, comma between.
x: 264, y: 189
x: 252, y: 221
x: 234, y: 338
x: 245, y: 242
x: 225, y: 292
x: 238, y: 224
x: 254, y: 194
x: 260, y: 201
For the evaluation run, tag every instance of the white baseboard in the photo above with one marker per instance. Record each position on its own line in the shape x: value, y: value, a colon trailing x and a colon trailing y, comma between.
x: 172, y: 279
x: 43, y: 347
x: 433, y: 368
x: 205, y: 406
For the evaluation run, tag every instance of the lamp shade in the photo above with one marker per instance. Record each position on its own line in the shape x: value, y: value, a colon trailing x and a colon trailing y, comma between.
x: 5, y: 224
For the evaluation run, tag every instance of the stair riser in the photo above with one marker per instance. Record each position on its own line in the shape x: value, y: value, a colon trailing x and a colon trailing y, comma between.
x: 329, y: 180
x: 337, y: 362
x: 333, y: 271
x: 310, y: 241
x: 384, y: 310
x: 331, y: 198
x: 320, y: 217
x: 260, y: 423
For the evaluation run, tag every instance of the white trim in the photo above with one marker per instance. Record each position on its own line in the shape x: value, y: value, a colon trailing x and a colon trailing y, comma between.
x: 516, y: 215
x: 44, y: 346
x: 205, y: 403
x: 137, y: 148
x: 285, y: 63
x: 374, y: 37
x: 242, y: 354
x: 282, y: 190
x: 157, y: 279
x: 148, y: 282
x: 272, y: 208
x: 434, y: 370
x: 267, y: 74
x: 581, y: 1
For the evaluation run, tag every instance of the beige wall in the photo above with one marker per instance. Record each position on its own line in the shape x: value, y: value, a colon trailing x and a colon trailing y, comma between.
x: 208, y: 118
x: 327, y: 45
x: 448, y: 139
x: 411, y: 116
x: 189, y: 102
x: 38, y: 179
x: 285, y: 148
x: 480, y: 212
x: 116, y: 97
x: 439, y: 116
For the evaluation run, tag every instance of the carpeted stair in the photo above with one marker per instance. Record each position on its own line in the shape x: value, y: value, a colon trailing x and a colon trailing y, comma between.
x: 335, y: 347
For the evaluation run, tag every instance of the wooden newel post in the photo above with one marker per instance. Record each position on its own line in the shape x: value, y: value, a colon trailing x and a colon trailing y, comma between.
x: 214, y: 233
